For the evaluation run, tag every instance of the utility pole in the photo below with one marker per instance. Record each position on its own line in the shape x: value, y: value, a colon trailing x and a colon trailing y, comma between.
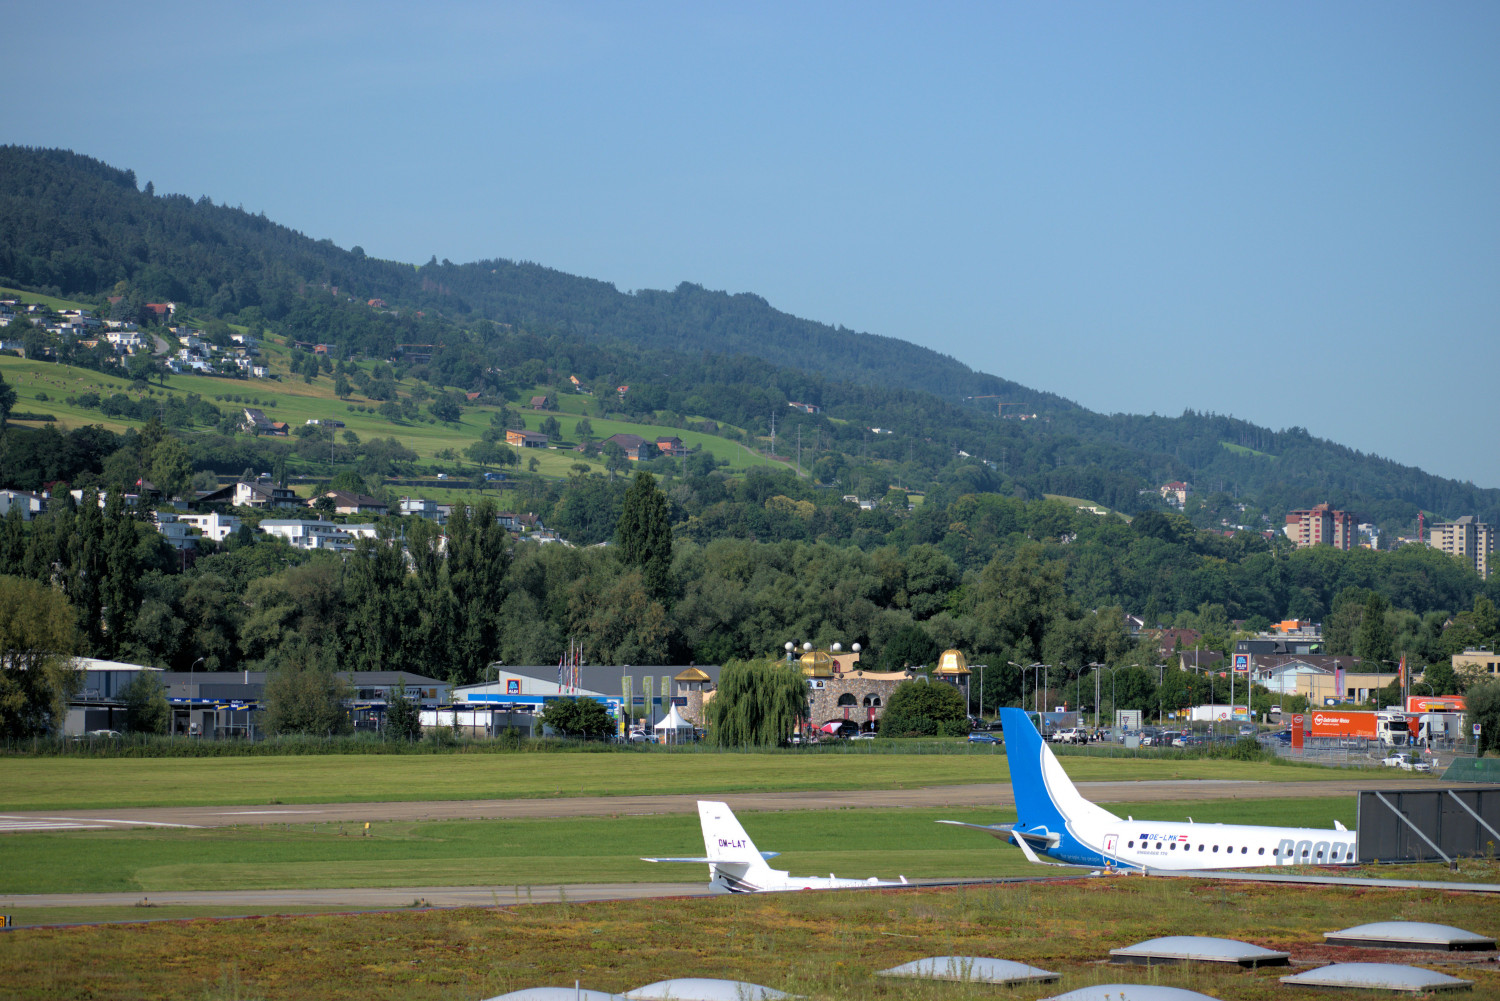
x: 799, y: 450
x: 773, y: 434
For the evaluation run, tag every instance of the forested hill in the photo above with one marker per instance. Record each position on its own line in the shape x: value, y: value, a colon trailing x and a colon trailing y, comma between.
x: 73, y: 226
x: 78, y: 225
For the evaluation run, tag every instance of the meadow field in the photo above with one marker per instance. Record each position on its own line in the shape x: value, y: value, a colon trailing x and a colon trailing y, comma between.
x: 77, y: 783
x: 825, y: 946
x: 604, y: 849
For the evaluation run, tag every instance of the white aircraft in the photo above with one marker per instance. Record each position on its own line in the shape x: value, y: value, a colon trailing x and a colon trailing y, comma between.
x: 1054, y: 819
x: 735, y: 866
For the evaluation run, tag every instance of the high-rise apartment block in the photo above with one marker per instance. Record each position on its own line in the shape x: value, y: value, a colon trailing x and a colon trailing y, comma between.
x: 1322, y: 526
x: 1470, y: 540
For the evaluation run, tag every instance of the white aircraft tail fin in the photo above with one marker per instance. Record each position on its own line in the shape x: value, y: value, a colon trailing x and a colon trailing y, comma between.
x: 724, y: 840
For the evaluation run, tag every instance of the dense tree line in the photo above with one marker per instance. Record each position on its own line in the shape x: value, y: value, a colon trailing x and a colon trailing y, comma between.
x: 1005, y: 581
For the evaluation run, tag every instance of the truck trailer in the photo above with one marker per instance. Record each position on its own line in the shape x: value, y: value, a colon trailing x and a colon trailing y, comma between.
x: 1389, y: 729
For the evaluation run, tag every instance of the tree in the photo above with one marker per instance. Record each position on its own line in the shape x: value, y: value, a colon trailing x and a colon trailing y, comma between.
x: 485, y: 453
x: 923, y: 709
x: 1483, y: 701
x: 38, y: 635
x: 551, y: 428
x: 644, y: 534
x: 578, y: 717
x: 445, y: 409
x: 1374, y: 642
x: 615, y: 459
x: 341, y: 387
x: 171, y: 469
x: 403, y: 717
x: 7, y: 401
x: 910, y: 647
x: 146, y: 708
x: 758, y: 704
x: 302, y: 697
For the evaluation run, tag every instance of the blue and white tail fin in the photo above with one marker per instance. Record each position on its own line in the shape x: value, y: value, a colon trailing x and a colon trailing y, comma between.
x: 1046, y: 799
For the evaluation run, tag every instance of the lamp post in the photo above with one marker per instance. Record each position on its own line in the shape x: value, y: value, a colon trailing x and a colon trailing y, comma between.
x: 1097, y: 668
x: 190, y: 692
x: 1161, y: 679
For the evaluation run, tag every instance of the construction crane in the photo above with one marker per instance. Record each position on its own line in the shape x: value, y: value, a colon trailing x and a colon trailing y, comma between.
x: 1000, y: 404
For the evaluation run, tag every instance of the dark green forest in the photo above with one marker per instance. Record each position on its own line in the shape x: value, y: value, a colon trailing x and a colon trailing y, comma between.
x: 71, y: 225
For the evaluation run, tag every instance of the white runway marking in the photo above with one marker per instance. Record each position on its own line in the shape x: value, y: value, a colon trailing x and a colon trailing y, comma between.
x: 256, y: 813
x: 17, y: 824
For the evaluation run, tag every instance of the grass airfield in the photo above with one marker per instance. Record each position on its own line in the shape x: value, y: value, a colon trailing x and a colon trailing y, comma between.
x: 83, y: 782
x: 820, y: 945
x: 824, y: 945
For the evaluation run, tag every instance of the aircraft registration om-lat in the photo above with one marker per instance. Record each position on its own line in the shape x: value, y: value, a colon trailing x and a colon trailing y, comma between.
x: 735, y: 866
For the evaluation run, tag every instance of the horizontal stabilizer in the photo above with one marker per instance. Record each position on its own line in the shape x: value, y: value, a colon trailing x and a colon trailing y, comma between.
x: 699, y: 858
x: 1008, y: 831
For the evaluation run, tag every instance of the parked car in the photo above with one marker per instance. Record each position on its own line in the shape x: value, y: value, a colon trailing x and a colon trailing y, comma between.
x: 1404, y: 761
x: 864, y: 735
x: 979, y: 737
x: 1070, y: 735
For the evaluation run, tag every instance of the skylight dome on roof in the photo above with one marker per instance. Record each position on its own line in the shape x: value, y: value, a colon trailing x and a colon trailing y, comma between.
x: 971, y: 969
x: 1131, y: 992
x: 1410, y: 935
x: 556, y: 994
x: 1378, y: 977
x: 704, y: 989
x: 1198, y: 949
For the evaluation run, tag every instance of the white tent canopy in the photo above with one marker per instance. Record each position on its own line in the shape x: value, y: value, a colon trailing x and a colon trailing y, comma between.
x: 673, y: 729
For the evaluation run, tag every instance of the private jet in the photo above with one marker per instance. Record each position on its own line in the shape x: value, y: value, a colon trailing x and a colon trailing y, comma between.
x: 735, y: 866
x: 1054, y: 820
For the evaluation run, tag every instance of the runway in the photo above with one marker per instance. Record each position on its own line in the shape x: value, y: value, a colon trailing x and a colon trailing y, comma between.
x: 993, y: 794
x: 988, y: 795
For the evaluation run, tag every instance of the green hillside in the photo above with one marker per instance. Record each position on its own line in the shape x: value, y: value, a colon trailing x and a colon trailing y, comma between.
x: 79, y: 229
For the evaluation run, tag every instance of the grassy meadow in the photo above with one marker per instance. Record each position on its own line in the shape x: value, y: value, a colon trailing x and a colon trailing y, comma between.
x: 77, y: 783
x: 606, y: 849
x: 825, y: 946
x: 290, y: 399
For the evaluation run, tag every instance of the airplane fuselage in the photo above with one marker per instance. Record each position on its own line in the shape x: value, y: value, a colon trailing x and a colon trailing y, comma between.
x: 1158, y: 845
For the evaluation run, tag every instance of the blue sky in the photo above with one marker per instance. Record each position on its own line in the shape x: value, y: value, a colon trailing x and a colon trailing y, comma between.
x: 1288, y: 212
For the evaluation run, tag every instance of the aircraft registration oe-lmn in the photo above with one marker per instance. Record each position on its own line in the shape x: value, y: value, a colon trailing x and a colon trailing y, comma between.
x: 1053, y: 819
x: 735, y: 866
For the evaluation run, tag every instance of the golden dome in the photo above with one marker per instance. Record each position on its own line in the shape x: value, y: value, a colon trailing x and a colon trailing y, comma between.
x: 952, y: 662
x: 818, y: 664
x: 692, y: 674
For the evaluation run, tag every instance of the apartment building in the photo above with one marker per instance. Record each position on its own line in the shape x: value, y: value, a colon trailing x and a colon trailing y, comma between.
x: 1467, y: 538
x: 1322, y: 526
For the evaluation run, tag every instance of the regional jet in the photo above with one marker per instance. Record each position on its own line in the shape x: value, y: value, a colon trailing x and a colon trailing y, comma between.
x: 735, y: 866
x: 1053, y: 819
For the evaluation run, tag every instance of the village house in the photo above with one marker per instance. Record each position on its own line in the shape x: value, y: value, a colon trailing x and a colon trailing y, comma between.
x: 526, y: 439
x: 345, y: 502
